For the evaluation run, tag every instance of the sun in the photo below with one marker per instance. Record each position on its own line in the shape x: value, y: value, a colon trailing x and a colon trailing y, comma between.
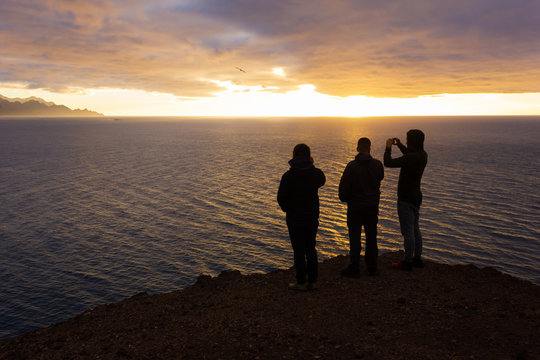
x: 279, y: 71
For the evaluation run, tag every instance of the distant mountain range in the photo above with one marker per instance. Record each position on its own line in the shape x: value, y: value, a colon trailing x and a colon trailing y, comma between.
x: 38, y: 107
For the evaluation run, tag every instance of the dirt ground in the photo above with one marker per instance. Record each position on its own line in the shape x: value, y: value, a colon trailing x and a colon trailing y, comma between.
x: 436, y: 312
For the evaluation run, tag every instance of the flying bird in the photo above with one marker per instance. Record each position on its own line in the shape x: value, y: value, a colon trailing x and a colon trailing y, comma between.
x: 242, y: 70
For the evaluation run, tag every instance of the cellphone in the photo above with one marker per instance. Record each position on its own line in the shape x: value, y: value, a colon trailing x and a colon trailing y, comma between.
x: 395, y: 141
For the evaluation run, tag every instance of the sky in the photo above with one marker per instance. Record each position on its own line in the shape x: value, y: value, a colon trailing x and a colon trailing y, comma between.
x: 274, y: 58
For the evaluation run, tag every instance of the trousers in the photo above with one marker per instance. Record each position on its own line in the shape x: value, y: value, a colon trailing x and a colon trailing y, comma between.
x: 366, y: 217
x: 409, y: 216
x: 303, y: 233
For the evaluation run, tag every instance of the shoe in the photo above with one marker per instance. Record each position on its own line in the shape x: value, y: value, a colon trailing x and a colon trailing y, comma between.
x: 297, y: 287
x: 418, y: 263
x: 403, y: 265
x: 350, y: 272
x: 312, y: 286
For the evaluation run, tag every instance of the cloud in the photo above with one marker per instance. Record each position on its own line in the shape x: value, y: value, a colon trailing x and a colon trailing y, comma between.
x: 386, y: 48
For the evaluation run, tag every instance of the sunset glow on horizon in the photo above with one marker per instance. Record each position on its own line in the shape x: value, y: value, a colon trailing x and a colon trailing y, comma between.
x: 211, y: 58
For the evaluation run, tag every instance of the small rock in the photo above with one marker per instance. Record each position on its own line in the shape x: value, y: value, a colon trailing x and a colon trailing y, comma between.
x: 229, y: 274
x: 140, y: 295
x: 203, y: 280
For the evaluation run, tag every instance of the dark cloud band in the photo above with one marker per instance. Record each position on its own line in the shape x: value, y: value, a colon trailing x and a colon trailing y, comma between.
x: 390, y: 48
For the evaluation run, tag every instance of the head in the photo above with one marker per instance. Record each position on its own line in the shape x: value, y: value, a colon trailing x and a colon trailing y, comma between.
x: 364, y: 145
x: 415, y: 140
x: 301, y: 150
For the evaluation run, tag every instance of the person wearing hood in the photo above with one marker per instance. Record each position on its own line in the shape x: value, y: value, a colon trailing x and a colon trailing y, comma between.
x: 359, y: 187
x: 298, y: 197
x: 412, y: 165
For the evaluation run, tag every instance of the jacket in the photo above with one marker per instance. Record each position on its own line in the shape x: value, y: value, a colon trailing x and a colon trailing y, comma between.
x: 361, y: 181
x: 298, y: 190
x: 412, y: 164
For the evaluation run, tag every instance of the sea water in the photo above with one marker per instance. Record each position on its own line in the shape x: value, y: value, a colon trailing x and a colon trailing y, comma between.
x: 96, y: 210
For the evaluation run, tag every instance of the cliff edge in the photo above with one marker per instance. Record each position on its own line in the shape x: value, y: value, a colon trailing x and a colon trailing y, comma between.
x: 436, y: 312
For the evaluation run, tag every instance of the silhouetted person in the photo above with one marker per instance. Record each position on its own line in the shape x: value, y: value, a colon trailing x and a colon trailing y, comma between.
x: 412, y: 164
x: 359, y: 188
x: 298, y: 197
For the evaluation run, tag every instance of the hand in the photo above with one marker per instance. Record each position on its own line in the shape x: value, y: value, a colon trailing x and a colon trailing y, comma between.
x: 396, y: 141
x: 389, y: 143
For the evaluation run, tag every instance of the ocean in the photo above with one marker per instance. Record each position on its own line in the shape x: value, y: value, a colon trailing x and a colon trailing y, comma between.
x: 95, y: 210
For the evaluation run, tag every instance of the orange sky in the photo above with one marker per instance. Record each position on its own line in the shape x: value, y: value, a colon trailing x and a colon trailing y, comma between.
x: 343, y: 58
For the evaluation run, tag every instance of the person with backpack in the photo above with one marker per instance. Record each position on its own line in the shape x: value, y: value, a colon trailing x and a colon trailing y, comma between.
x: 359, y: 187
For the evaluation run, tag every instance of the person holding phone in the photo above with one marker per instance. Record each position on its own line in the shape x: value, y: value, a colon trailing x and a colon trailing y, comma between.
x: 412, y: 164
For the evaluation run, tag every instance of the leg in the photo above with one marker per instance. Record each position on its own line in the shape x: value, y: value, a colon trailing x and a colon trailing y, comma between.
x: 298, y: 245
x: 406, y: 223
x: 417, y: 236
x: 370, y: 228
x: 354, y: 223
x: 355, y: 246
x: 311, y: 252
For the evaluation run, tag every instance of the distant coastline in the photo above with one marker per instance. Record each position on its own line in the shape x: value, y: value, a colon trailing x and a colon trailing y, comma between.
x: 39, y: 107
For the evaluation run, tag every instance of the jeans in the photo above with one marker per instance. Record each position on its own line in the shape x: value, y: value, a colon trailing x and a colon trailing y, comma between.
x: 367, y: 217
x: 303, y: 233
x: 408, y: 222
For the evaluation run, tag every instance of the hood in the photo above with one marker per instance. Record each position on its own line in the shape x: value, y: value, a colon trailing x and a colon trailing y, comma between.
x: 415, y: 140
x: 362, y: 158
x: 300, y: 162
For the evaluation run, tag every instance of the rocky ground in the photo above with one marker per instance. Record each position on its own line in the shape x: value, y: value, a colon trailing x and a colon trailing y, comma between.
x: 437, y: 312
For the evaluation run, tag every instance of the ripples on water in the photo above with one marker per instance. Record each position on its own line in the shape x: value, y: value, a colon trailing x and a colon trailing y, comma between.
x: 94, y: 211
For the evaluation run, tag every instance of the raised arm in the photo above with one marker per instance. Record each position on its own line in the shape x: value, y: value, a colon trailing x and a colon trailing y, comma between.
x: 402, y: 147
x: 388, y: 161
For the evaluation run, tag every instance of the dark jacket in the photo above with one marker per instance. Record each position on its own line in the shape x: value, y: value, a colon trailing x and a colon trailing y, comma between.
x: 412, y: 164
x: 298, y: 191
x: 361, y: 181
